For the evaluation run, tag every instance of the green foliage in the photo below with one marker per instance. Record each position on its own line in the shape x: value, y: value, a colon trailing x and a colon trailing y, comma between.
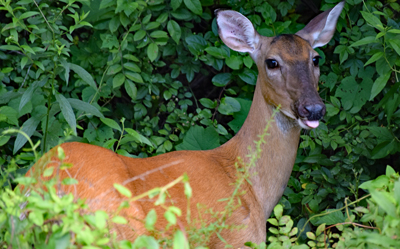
x: 135, y: 77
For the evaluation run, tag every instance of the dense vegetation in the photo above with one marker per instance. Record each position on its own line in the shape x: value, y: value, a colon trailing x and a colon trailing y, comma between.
x: 148, y: 77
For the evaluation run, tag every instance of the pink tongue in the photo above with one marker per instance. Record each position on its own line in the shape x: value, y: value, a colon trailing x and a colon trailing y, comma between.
x: 312, y: 124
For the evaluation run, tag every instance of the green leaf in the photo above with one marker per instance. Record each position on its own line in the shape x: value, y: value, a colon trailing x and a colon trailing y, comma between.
x: 198, y: 138
x: 379, y: 84
x: 374, y: 58
x: 175, y: 4
x: 67, y: 111
x: 385, y: 201
x: 152, y: 51
x: 123, y: 190
x: 138, y: 137
x: 221, y: 79
x: 134, y: 77
x: 118, y: 80
x: 131, y: 89
x: 85, y: 76
x: 150, y: 220
x: 234, y: 62
x: 174, y: 30
x: 395, y: 45
x: 383, y: 149
x: 85, y: 107
x: 240, y: 116
x: 249, y: 76
x: 228, y: 106
x: 29, y: 127
x: 111, y: 123
x: 159, y: 34
x: 371, y: 19
x: 180, y: 241
x: 354, y: 95
x: 208, y: 103
x: 24, y: 60
x: 139, y: 35
x: 10, y: 47
x: 27, y: 96
x: 132, y: 67
x: 28, y: 14
x: 194, y: 6
x: 364, y: 41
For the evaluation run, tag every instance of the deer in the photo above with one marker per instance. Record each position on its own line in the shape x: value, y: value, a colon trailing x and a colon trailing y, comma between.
x: 288, y: 75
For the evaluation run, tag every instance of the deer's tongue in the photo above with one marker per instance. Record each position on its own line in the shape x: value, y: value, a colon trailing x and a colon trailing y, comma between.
x: 312, y: 124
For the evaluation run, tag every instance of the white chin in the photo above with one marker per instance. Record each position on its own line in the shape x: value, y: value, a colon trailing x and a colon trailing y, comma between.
x: 308, y: 125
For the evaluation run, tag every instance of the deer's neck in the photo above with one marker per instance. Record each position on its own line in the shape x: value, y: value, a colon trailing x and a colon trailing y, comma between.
x: 271, y: 173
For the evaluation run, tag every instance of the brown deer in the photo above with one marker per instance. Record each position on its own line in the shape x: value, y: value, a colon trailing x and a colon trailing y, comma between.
x: 288, y: 77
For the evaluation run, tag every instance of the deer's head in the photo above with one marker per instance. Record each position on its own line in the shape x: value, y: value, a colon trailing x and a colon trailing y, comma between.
x: 288, y: 65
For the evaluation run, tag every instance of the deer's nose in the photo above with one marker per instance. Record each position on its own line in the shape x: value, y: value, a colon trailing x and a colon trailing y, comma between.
x: 314, y: 111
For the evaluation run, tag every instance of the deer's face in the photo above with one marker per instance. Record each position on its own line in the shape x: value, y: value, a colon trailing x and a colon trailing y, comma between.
x: 288, y: 71
x: 288, y: 76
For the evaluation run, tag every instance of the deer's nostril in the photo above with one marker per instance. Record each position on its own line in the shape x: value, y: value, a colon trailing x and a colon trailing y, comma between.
x: 315, y: 111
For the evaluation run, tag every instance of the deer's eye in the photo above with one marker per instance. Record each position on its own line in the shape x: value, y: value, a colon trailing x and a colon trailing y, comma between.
x: 316, y: 60
x: 271, y: 63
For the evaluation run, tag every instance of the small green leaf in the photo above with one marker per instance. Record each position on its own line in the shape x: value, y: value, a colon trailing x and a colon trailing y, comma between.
x: 150, y: 220
x: 67, y: 111
x: 152, y: 51
x: 123, y: 190
x: 118, y: 80
x: 379, y: 84
x: 85, y: 76
x: 221, y: 79
x: 85, y: 107
x: 24, y: 60
x: 131, y: 89
x: 194, y: 6
x: 111, y: 123
x: 174, y: 30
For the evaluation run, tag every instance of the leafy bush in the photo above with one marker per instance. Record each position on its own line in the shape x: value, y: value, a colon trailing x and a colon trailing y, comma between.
x: 131, y: 77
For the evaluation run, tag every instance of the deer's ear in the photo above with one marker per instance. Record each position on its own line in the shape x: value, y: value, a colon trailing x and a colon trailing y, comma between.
x: 236, y: 31
x: 319, y: 31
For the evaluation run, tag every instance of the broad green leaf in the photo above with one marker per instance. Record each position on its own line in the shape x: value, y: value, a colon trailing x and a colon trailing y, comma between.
x: 395, y: 45
x: 234, y: 62
x: 198, y: 138
x: 221, y: 79
x: 116, y: 68
x: 67, y: 111
x: 354, y: 95
x: 152, y: 51
x: 24, y: 60
x: 139, y: 35
x: 132, y: 67
x: 385, y: 201
x: 29, y: 127
x: 159, y: 34
x: 228, y: 106
x: 194, y: 6
x: 85, y: 76
x: 131, y: 89
x: 371, y: 19
x: 175, y: 4
x: 249, y: 76
x: 174, y: 30
x: 118, y: 80
x: 240, y: 116
x: 379, y: 84
x: 27, y: 96
x: 208, y: 103
x: 111, y: 123
x: 28, y: 14
x: 383, y: 149
x: 85, y: 107
x: 134, y: 77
